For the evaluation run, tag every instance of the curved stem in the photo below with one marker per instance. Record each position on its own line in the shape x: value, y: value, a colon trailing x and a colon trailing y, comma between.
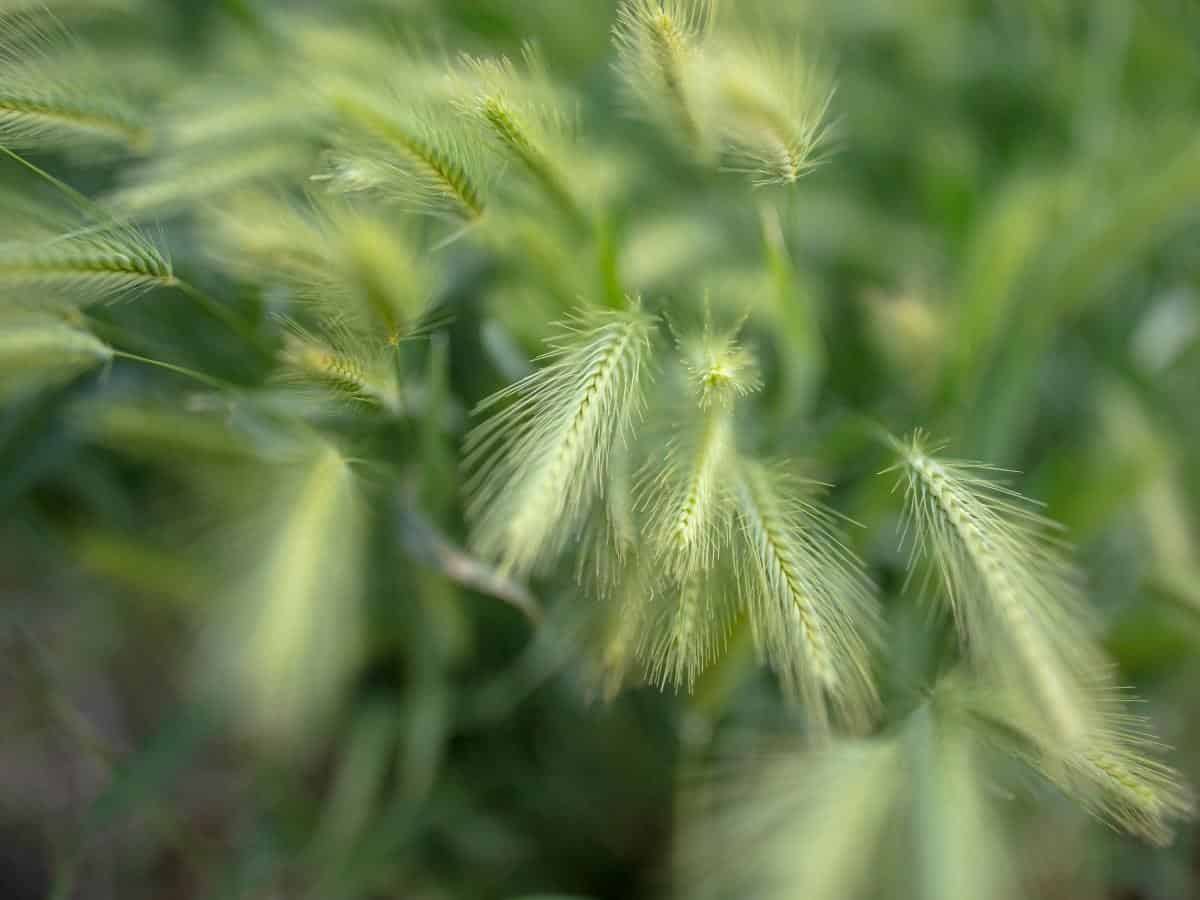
x: 80, y: 200
x: 178, y: 370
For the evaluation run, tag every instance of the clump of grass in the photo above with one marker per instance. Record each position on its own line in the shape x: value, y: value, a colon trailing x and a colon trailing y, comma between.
x: 688, y: 536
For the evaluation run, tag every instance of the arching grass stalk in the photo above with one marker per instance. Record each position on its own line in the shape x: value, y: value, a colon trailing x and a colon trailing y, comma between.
x: 178, y: 370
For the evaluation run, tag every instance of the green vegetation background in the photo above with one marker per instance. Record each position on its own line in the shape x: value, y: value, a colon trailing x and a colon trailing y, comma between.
x: 1004, y: 247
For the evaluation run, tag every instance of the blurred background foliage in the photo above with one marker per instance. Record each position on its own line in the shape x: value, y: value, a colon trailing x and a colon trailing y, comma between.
x: 1002, y: 247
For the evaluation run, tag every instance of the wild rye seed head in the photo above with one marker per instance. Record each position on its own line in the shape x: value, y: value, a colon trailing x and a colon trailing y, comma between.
x: 414, y: 157
x: 1022, y: 614
x: 44, y: 104
x: 775, y: 108
x: 811, y: 607
x: 542, y: 459
x: 661, y: 59
x: 109, y: 261
x: 1015, y: 599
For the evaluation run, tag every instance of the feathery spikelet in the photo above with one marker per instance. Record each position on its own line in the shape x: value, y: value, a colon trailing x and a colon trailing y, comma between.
x: 411, y: 159
x: 38, y: 108
x: 1021, y: 611
x: 108, y: 261
x: 73, y: 10
x: 292, y: 635
x: 690, y: 512
x: 41, y: 351
x: 687, y: 496
x: 342, y: 363
x: 522, y: 116
x: 774, y: 107
x: 685, y: 627
x: 380, y: 281
x: 1015, y: 600
x: 720, y: 370
x: 349, y: 265
x: 660, y: 50
x: 543, y: 457
x: 1117, y: 775
x: 1119, y: 779
x: 811, y: 606
x: 612, y: 578
x: 615, y: 616
x: 257, y: 234
x: 673, y: 629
